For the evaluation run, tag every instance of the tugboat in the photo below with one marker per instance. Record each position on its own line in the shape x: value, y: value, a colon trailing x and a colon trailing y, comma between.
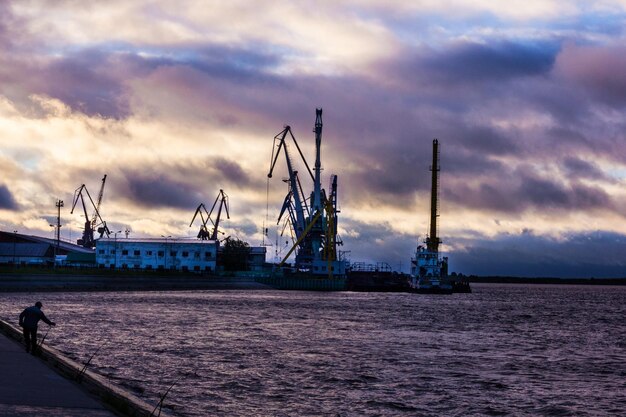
x: 429, y: 271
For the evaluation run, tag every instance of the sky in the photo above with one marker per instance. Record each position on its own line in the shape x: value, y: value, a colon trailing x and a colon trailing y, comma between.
x: 174, y: 101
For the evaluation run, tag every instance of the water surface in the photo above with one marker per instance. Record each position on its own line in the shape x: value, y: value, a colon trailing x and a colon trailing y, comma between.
x: 503, y: 350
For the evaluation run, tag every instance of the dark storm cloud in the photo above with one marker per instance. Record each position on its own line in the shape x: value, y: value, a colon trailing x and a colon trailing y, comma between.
x: 160, y: 191
x: 496, y: 197
x: 87, y: 83
x: 231, y: 171
x: 9, y: 27
x: 95, y: 80
x: 522, y: 189
x: 182, y: 184
x: 399, y: 168
x: 237, y: 64
x: 599, y: 69
x: 578, y: 168
x: 593, y: 254
x: 485, y: 140
x: 542, y: 192
x: 7, y: 201
x: 457, y: 162
x: 466, y: 61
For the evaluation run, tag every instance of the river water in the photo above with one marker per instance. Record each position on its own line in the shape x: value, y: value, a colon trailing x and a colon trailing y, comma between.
x: 502, y: 350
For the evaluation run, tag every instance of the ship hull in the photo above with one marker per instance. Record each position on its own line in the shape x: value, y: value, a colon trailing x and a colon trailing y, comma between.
x: 305, y: 283
x: 431, y: 290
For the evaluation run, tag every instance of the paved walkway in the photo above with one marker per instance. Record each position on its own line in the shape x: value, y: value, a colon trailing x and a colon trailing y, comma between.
x: 30, y: 388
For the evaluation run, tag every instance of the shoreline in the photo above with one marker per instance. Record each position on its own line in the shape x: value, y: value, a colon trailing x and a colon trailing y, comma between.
x: 76, y: 281
x: 546, y: 280
x: 84, y: 282
x: 113, y: 397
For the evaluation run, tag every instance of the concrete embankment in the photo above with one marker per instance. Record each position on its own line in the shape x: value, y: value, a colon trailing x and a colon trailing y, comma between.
x: 52, y: 385
x: 71, y: 282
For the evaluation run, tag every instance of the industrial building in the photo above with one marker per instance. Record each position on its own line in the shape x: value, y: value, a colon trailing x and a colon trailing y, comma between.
x: 162, y: 253
x: 25, y: 250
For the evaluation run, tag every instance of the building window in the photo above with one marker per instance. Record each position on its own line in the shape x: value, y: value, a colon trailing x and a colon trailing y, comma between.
x: 124, y: 252
x: 161, y: 267
x: 148, y: 266
x: 112, y: 266
x: 137, y: 266
x: 207, y: 254
x: 161, y: 253
x: 207, y: 268
x: 185, y: 268
x: 149, y: 253
x: 124, y: 266
x: 196, y: 268
x: 100, y: 265
x: 100, y: 251
x: 173, y: 253
x: 196, y: 255
x: 113, y: 252
x: 137, y: 253
x: 185, y: 254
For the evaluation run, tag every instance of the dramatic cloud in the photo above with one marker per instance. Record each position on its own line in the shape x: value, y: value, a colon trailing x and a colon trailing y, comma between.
x: 579, y: 168
x: 472, y: 62
x: 175, y: 102
x: 592, y: 254
x: 525, y: 190
x: 7, y: 202
x: 601, y: 70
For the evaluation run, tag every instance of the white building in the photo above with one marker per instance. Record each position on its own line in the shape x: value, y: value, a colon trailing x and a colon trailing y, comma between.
x: 167, y: 253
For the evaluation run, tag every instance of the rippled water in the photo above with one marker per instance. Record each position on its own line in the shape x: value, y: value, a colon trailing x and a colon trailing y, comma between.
x: 505, y: 349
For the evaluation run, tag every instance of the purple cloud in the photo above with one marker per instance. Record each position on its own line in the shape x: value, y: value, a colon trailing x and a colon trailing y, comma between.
x: 180, y: 185
x: 599, y: 69
x: 584, y: 254
x: 7, y: 201
x: 523, y: 189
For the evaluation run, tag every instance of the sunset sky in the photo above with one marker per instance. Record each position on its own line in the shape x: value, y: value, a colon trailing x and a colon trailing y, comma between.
x: 177, y: 100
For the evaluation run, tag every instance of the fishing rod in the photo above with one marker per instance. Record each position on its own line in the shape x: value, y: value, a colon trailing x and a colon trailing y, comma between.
x: 160, y: 403
x: 84, y: 369
x: 44, y: 336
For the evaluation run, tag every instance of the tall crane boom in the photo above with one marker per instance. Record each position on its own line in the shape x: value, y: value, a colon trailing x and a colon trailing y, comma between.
x: 87, y: 239
x: 294, y: 182
x: 432, y: 242
x: 203, y: 234
x: 205, y: 217
x: 223, y: 200
x: 99, y: 201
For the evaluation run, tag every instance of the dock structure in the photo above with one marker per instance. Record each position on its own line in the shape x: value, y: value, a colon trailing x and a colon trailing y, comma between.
x: 31, y: 388
x: 48, y: 385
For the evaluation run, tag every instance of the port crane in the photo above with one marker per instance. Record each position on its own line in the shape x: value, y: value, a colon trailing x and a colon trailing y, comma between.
x: 205, y: 217
x: 314, y: 226
x: 87, y: 239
